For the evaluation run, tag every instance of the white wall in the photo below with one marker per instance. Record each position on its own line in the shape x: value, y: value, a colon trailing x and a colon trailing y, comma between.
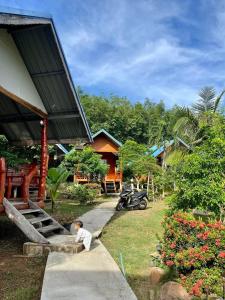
x: 14, y: 76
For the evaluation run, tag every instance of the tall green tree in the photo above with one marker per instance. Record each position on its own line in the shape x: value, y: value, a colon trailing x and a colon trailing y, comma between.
x: 200, y: 176
x: 141, y: 122
x: 208, y: 100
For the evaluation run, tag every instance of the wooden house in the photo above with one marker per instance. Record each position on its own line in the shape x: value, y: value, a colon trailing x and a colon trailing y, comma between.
x: 107, y: 146
x: 38, y: 105
x: 160, y: 152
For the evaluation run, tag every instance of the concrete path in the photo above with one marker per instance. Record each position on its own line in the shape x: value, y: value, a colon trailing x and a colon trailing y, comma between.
x: 95, y: 219
x: 90, y: 275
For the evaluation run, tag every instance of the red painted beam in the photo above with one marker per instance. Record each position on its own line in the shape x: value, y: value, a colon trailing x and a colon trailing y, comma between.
x: 44, y: 162
x: 2, y: 178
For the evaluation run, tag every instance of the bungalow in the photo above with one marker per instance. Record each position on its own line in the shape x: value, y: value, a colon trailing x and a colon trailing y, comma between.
x: 39, y: 105
x: 108, y: 147
x: 159, y: 152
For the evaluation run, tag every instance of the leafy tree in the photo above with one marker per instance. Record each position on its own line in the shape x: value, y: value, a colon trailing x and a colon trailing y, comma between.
x: 201, y: 178
x: 56, y: 176
x: 86, y: 161
x: 141, y: 122
x: 137, y: 161
x: 17, y: 155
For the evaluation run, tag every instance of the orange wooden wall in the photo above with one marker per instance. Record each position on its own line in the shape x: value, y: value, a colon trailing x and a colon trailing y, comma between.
x: 104, y: 144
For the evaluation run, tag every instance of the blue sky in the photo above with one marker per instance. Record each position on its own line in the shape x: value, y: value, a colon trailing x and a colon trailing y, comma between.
x: 160, y: 49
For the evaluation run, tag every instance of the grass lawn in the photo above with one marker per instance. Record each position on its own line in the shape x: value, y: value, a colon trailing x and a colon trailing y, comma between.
x: 133, y: 233
x: 20, y: 277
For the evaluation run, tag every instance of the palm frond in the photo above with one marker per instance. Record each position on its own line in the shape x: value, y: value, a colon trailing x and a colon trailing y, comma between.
x: 181, y: 124
x: 175, y: 157
x: 217, y: 100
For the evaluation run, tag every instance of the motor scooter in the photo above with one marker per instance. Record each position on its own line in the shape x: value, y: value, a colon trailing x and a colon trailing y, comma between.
x: 132, y: 200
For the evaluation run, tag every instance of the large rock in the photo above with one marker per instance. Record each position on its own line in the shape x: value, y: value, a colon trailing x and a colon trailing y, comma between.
x: 156, y: 275
x: 173, y: 291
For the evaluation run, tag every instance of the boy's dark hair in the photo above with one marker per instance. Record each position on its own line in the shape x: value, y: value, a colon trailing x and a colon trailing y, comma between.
x: 80, y: 223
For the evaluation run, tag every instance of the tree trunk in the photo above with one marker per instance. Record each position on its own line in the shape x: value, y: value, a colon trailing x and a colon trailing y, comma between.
x: 148, y: 181
x: 153, y: 190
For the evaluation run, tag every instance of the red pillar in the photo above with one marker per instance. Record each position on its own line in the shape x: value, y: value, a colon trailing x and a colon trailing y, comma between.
x: 2, y: 178
x: 44, y: 162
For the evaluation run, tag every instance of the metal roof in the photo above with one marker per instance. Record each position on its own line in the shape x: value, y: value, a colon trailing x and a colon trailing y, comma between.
x: 41, y: 51
x: 62, y: 148
x: 103, y: 131
x: 157, y: 151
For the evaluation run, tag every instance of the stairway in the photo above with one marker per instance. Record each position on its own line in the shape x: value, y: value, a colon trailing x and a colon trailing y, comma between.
x: 33, y: 193
x: 110, y: 187
x: 35, y: 223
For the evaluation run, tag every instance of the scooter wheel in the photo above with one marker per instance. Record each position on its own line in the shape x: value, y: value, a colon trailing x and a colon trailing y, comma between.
x: 143, y: 204
x: 119, y: 206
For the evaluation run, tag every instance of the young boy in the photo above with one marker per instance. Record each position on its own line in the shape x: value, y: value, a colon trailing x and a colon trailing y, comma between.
x: 83, y: 235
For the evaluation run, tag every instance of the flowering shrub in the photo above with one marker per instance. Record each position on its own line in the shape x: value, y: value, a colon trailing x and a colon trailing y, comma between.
x: 194, y: 247
x: 203, y: 281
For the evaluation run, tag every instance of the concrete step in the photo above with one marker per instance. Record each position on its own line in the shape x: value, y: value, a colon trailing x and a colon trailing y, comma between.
x: 29, y: 211
x: 39, y: 219
x: 48, y: 228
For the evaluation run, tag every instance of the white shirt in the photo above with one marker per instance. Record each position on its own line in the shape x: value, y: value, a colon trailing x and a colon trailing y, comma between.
x: 84, y: 236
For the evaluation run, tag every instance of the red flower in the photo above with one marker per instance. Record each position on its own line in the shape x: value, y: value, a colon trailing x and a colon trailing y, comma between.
x: 218, y: 242
x: 221, y: 255
x: 205, y: 248
x: 196, y: 288
x: 169, y: 263
x: 201, y: 226
x: 173, y: 245
x: 199, y: 236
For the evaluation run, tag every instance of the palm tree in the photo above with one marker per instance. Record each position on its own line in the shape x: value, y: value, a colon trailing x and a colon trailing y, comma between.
x: 56, y: 176
x: 190, y: 126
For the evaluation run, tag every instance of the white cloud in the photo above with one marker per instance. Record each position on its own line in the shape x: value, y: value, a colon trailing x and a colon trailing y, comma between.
x: 145, y: 48
x: 129, y: 44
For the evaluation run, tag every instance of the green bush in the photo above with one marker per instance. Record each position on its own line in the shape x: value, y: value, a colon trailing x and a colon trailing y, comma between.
x: 194, y: 248
x: 81, y: 193
x: 200, y: 178
x: 94, y: 186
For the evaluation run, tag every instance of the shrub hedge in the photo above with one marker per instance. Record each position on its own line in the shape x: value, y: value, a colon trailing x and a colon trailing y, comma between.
x: 196, y: 249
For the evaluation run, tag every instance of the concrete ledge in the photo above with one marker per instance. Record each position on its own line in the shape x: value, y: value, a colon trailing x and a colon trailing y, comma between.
x: 34, y: 249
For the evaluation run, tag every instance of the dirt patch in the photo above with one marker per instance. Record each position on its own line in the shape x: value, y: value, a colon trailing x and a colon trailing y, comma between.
x: 20, y: 278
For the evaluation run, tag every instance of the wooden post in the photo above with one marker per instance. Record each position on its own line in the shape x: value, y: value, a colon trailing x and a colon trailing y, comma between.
x: 121, y: 174
x: 2, y: 178
x: 44, y: 162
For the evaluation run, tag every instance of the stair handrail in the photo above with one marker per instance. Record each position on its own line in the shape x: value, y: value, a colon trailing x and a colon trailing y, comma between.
x: 2, y: 178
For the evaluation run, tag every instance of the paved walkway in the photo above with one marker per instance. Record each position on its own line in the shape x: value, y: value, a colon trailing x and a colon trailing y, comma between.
x: 90, y: 275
